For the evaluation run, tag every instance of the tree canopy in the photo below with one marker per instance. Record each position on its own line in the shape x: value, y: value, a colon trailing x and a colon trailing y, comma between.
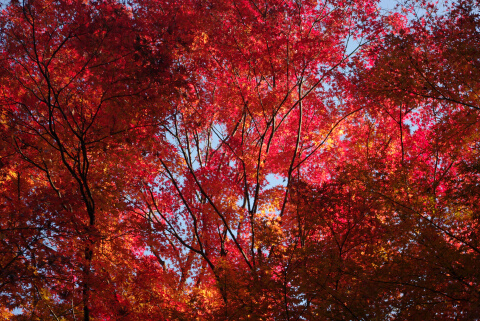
x: 239, y: 160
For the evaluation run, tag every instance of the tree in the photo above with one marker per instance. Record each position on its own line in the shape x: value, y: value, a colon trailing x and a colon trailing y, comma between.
x: 412, y: 157
x: 72, y: 93
x: 238, y: 160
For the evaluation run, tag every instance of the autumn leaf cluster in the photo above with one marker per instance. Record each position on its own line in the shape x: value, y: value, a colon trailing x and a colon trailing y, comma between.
x: 239, y: 160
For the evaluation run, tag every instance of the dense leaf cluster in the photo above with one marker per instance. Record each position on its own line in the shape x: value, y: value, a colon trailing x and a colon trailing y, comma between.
x: 239, y: 160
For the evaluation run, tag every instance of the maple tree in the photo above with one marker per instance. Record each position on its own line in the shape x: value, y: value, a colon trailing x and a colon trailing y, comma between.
x: 200, y: 160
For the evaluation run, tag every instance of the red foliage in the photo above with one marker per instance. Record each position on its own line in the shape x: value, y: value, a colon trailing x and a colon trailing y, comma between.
x: 239, y: 160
